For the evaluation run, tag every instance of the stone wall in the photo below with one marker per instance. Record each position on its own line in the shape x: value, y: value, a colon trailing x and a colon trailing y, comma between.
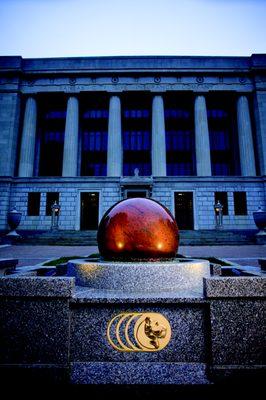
x: 110, y: 192
x: 203, y: 199
x: 4, y: 203
x: 69, y: 199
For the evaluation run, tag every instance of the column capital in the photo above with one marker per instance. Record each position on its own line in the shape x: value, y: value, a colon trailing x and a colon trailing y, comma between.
x: 73, y: 95
x: 200, y: 94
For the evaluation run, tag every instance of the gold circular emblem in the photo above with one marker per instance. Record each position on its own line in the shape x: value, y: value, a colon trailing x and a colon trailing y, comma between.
x: 139, y: 332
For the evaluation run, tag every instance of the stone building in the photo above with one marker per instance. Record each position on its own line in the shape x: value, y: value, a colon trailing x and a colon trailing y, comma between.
x: 87, y: 132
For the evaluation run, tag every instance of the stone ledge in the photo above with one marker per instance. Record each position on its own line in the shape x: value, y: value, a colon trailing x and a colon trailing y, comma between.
x: 27, y: 286
x: 217, y: 287
x: 131, y: 373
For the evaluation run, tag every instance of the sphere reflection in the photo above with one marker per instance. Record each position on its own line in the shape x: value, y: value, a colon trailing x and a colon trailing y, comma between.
x: 138, y: 229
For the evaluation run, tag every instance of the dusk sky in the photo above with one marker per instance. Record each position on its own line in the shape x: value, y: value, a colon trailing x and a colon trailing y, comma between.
x: 60, y: 28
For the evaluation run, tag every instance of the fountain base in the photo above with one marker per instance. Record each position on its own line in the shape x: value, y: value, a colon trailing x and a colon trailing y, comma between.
x: 177, y: 275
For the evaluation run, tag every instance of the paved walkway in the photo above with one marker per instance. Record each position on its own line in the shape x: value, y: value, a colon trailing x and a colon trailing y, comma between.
x: 32, y: 255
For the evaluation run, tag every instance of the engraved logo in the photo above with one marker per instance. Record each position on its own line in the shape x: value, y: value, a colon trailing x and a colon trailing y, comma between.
x: 139, y: 332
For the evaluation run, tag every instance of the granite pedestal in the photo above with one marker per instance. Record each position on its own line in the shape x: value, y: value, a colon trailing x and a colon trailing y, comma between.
x: 57, y: 329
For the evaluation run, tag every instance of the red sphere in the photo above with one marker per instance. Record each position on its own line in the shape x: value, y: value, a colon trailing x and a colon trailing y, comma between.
x: 138, y: 229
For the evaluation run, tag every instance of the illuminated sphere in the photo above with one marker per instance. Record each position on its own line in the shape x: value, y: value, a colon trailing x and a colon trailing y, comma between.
x: 138, y: 229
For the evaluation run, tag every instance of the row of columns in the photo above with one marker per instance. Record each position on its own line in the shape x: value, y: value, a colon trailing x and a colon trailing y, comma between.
x: 115, y: 149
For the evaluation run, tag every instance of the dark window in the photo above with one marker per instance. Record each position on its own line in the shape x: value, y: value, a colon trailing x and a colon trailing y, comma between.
x: 136, y: 125
x: 240, y: 203
x: 222, y: 198
x: 51, y: 197
x: 51, y: 134
x: 223, y: 136
x: 94, y: 128
x: 179, y: 136
x: 34, y: 203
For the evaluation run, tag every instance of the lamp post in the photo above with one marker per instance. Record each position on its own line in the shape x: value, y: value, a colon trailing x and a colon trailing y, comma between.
x: 218, y: 210
x: 55, y: 216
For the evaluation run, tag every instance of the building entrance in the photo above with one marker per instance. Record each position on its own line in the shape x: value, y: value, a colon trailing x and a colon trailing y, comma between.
x: 184, y: 210
x: 89, y: 211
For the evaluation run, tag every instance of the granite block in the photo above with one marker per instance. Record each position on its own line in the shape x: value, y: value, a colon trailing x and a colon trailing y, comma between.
x: 24, y: 286
x: 85, y: 295
x: 188, y: 341
x: 34, y: 331
x: 140, y: 276
x: 142, y: 373
x: 238, y: 332
x: 240, y: 286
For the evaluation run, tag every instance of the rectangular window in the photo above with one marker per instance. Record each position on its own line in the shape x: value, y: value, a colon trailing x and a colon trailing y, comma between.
x: 51, y: 131
x: 240, y: 203
x: 223, y: 135
x: 179, y: 135
x: 222, y: 198
x: 51, y: 197
x: 94, y: 135
x: 34, y: 199
x: 136, y: 134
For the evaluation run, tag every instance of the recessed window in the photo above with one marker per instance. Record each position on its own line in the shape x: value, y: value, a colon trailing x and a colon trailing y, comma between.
x: 94, y: 128
x: 136, y: 134
x: 51, y: 130
x: 223, y: 199
x: 240, y: 203
x: 223, y: 135
x: 34, y: 203
x: 179, y: 136
x: 51, y: 197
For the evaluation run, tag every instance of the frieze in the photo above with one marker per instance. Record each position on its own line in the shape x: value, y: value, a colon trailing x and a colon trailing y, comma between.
x: 79, y: 84
x: 115, y: 80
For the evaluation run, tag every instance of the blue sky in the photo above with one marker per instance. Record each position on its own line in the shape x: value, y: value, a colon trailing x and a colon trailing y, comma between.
x: 60, y: 28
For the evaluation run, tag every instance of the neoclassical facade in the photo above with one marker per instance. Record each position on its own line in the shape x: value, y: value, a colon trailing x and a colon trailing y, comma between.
x: 88, y: 132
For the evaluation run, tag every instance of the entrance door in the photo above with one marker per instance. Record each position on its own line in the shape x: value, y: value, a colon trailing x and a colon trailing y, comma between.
x: 89, y: 211
x: 184, y: 210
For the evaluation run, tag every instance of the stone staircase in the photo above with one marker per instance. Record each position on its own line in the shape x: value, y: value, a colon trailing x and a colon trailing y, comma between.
x: 217, y: 237
x: 88, y: 238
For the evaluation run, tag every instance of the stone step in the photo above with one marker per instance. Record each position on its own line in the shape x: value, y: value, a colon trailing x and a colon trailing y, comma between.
x: 88, y: 238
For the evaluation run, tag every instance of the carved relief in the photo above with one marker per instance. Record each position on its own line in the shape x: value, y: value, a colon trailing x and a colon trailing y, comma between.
x: 139, y: 332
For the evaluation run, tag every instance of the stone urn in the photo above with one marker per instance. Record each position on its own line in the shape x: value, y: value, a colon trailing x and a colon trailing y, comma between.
x: 13, y: 220
x: 260, y: 221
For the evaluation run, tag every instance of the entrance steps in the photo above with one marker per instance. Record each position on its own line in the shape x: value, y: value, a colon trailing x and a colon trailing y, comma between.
x: 217, y: 237
x: 88, y: 238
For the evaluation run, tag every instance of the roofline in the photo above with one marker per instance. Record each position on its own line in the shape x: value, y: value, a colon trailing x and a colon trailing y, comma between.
x: 123, y: 64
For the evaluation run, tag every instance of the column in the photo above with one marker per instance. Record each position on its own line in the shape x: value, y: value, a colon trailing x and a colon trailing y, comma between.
x: 260, y: 120
x: 27, y: 149
x: 70, y: 157
x: 202, y: 140
x: 158, y: 138
x: 245, y: 140
x: 114, y: 147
